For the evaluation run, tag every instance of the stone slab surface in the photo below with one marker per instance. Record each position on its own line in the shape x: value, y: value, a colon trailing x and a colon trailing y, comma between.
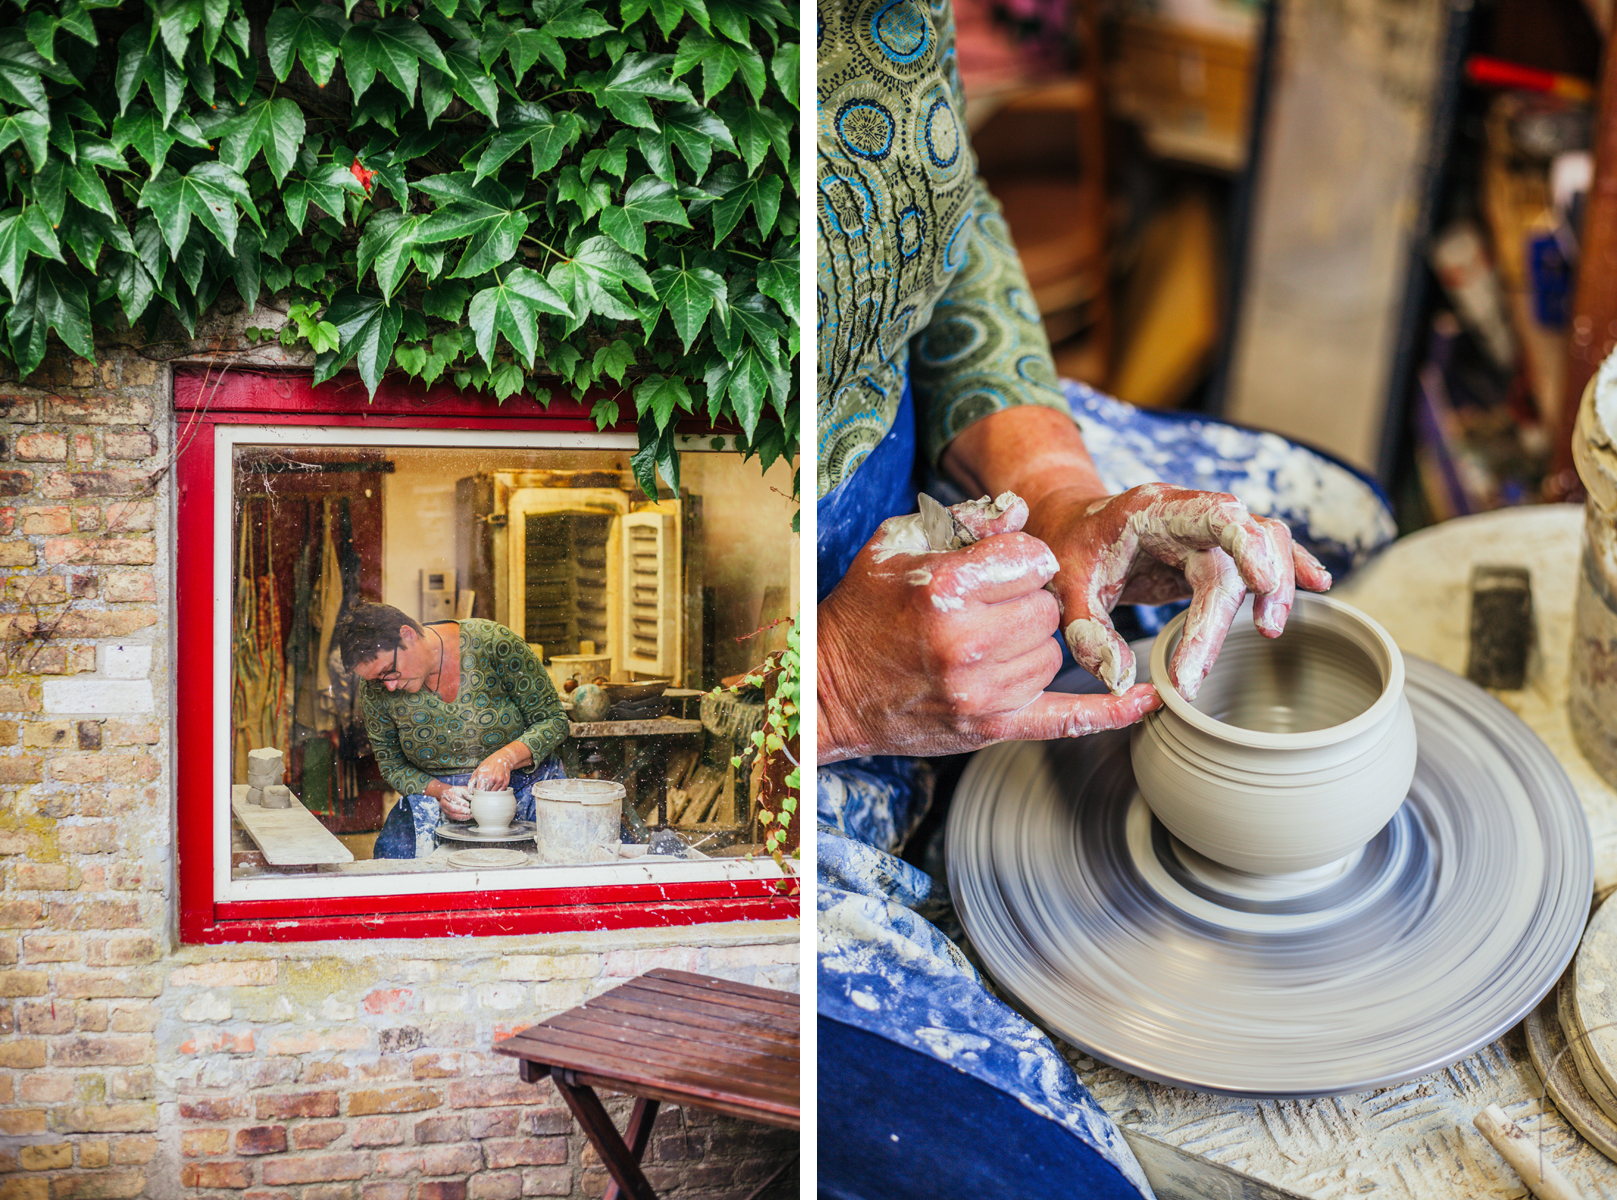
x: 287, y: 837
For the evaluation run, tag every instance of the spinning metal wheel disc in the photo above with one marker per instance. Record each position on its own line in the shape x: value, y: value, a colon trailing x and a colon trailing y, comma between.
x: 1427, y: 944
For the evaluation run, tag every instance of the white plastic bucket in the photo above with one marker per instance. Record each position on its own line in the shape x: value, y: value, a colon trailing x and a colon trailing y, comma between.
x: 577, y: 820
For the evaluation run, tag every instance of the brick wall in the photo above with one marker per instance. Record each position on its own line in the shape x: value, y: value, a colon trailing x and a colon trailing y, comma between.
x: 130, y: 1066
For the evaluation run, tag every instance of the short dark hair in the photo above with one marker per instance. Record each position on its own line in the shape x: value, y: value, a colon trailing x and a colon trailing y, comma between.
x: 366, y: 630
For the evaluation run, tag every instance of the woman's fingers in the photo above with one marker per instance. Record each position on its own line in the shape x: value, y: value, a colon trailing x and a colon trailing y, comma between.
x: 1270, y: 609
x: 1060, y: 715
x: 1218, y: 592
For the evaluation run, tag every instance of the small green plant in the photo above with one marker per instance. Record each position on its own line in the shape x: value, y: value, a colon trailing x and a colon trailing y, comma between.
x: 776, y: 739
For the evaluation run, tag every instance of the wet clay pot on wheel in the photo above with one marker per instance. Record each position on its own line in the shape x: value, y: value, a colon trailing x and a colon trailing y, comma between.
x: 1297, y: 750
x: 493, y: 810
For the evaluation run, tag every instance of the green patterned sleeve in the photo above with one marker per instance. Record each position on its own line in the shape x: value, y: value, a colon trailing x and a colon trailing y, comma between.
x: 526, y: 681
x: 403, y: 777
x: 985, y: 348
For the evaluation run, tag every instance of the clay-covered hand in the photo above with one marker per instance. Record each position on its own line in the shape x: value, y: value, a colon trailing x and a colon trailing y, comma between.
x: 1156, y: 543
x: 933, y: 652
x: 456, y: 803
x: 493, y: 773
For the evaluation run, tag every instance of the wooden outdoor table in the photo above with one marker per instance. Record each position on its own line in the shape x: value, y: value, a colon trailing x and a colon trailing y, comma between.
x: 667, y: 1036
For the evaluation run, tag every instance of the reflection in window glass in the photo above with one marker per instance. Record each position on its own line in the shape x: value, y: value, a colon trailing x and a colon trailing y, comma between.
x: 581, y: 623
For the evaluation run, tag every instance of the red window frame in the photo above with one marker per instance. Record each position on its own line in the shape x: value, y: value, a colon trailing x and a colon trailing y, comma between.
x: 205, y: 401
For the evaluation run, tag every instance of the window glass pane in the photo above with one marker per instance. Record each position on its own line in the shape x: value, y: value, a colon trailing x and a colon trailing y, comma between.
x: 549, y: 618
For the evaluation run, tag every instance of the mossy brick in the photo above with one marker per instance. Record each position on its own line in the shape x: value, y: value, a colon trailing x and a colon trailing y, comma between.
x: 22, y: 1187
x: 251, y: 972
x: 17, y: 1053
x: 316, y: 1168
x: 16, y: 483
x: 525, y: 1152
x: 113, y: 623
x: 95, y: 914
x: 318, y: 1135
x: 41, y: 519
x: 40, y: 446
x: 499, y: 1185
x: 94, y: 1016
x: 87, y: 519
x: 212, y: 1108
x: 296, y: 1104
x: 547, y: 1181
x: 236, y: 1175
x: 393, y: 1100
x: 23, y: 983
x: 20, y: 768
x: 105, y: 1118
x: 260, y: 1139
x: 48, y: 735
x: 132, y: 550
x: 89, y: 732
x: 103, y: 1185
x: 52, y: 947
x: 204, y: 1143
x: 19, y: 410
x: 325, y: 1071
x: 111, y: 1050
x: 83, y: 446
x: 50, y: 659
x: 318, y: 1041
x: 129, y: 444
x: 25, y: 842
x: 22, y: 1122
x: 460, y: 1159
x: 538, y: 968
x: 80, y: 485
x: 7, y: 1089
x: 391, y: 1164
x: 111, y: 984
x: 131, y: 733
x: 134, y: 1151
x: 318, y: 1191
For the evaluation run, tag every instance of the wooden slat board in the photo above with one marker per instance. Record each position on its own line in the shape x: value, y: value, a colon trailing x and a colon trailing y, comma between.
x: 287, y: 837
x: 653, y: 727
x: 683, y: 1038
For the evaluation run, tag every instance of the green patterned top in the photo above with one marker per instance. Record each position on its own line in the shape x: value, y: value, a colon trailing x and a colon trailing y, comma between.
x: 916, y: 267
x: 505, y: 696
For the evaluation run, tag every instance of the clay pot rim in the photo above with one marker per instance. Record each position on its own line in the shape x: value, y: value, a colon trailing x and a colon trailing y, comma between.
x: 1380, y: 710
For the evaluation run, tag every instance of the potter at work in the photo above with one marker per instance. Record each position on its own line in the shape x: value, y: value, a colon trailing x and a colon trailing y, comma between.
x: 938, y: 634
x: 452, y: 708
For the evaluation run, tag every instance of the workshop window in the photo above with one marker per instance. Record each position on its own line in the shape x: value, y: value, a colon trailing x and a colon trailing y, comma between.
x: 297, y: 503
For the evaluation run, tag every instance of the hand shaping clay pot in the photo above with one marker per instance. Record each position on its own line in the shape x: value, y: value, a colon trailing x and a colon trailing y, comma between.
x: 493, y: 810
x: 1297, y: 750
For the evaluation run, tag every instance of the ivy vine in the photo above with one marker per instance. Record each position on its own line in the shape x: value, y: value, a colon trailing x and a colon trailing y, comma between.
x: 778, y: 738
x: 517, y: 197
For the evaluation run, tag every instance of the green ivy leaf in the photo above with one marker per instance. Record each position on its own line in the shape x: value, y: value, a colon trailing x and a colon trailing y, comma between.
x: 22, y: 72
x: 612, y: 361
x: 691, y: 128
x: 647, y: 200
x: 49, y: 296
x: 784, y: 68
x: 756, y: 130
x: 778, y: 278
x: 29, y: 128
x: 445, y: 299
x: 597, y: 279
x: 209, y: 192
x: 311, y: 37
x: 483, y: 213
x: 276, y: 127
x: 761, y: 194
x: 745, y: 381
x: 133, y: 282
x: 325, y: 189
x: 385, y: 248
x: 512, y: 307
x: 721, y: 60
x: 470, y: 82
x: 688, y: 296
x: 368, y: 327
x: 660, y: 395
x: 142, y: 64
x: 636, y: 79
x: 546, y: 135
x: 395, y: 48
x: 24, y: 232
x: 667, y: 13
x: 657, y: 453
x: 143, y: 129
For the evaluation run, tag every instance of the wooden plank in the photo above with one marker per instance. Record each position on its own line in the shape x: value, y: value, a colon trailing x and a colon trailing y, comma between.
x: 697, y: 1053
x: 608, y: 1061
x: 713, y: 984
x: 758, y: 1000
x: 287, y: 837
x: 784, y: 1118
x: 634, y: 1026
x: 580, y: 1051
x: 695, y: 1012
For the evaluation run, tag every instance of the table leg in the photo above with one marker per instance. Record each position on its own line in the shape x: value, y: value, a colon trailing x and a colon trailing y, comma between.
x: 621, y: 1163
x: 637, y: 1137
